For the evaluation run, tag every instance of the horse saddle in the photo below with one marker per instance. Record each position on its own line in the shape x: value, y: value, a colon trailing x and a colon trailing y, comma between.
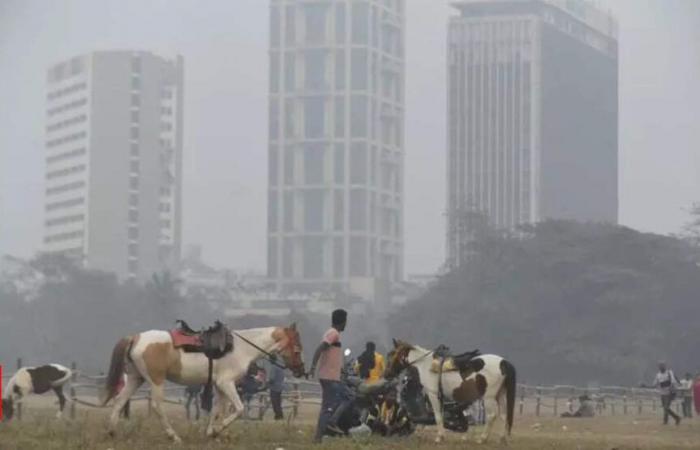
x: 462, y: 362
x: 214, y: 342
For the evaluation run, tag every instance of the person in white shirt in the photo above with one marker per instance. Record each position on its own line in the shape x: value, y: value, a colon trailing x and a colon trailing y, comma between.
x: 687, y: 395
x: 666, y: 382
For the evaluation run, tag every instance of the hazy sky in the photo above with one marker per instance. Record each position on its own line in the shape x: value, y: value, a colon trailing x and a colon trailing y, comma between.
x: 224, y: 44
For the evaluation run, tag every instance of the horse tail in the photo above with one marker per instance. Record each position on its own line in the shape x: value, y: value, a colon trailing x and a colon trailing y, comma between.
x: 116, y: 368
x: 510, y: 382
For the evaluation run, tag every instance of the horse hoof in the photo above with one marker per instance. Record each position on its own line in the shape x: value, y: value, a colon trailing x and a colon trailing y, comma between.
x: 176, y: 439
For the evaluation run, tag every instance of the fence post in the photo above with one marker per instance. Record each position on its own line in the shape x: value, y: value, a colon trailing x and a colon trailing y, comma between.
x: 73, y: 379
x: 640, y: 404
x: 295, y: 404
x: 624, y: 404
x: 612, y: 407
x: 19, y: 404
x: 653, y: 404
x: 556, y: 404
x: 522, y: 402
x: 539, y: 403
x: 150, y: 406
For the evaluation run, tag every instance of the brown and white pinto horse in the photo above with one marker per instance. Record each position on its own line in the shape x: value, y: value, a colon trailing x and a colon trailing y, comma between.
x: 150, y: 356
x: 490, y: 377
x: 36, y: 380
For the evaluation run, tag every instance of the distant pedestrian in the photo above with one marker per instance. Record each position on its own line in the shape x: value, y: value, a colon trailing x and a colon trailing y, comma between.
x: 276, y: 384
x: 686, y: 391
x: 666, y: 382
x: 192, y: 395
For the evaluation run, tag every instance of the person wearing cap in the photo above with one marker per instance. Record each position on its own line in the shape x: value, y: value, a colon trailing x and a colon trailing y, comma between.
x: 329, y: 360
x: 666, y: 382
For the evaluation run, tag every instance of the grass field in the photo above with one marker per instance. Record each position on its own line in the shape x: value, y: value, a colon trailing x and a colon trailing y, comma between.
x: 39, y: 430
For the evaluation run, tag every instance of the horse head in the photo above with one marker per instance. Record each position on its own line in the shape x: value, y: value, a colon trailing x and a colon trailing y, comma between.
x: 397, y: 359
x: 291, y: 350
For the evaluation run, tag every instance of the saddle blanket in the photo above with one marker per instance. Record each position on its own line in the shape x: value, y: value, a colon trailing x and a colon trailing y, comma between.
x: 448, y: 366
x: 181, y: 339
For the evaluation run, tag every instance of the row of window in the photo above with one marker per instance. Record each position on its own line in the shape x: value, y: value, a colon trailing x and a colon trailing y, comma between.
x: 66, y: 155
x: 63, y: 236
x: 65, y: 204
x: 64, y: 139
x: 64, y: 172
x: 67, y: 90
x: 65, y: 188
x: 67, y: 106
x: 65, y: 220
x: 66, y: 123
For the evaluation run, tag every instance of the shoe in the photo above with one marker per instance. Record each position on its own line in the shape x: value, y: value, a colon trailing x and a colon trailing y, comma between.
x: 334, y: 429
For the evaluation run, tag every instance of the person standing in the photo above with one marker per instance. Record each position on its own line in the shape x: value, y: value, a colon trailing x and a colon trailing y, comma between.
x: 329, y: 358
x: 666, y: 383
x: 276, y: 384
x: 370, y: 364
x: 687, y: 395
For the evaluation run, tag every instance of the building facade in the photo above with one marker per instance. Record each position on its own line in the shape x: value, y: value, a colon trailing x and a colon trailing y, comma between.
x: 114, y: 161
x: 335, y: 205
x: 533, y: 115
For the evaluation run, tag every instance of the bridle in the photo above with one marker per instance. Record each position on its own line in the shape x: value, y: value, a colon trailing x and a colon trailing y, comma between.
x: 269, y: 356
x: 405, y: 363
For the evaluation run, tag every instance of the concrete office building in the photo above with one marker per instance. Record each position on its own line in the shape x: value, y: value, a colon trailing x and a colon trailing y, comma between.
x: 114, y: 161
x: 533, y: 114
x: 336, y: 150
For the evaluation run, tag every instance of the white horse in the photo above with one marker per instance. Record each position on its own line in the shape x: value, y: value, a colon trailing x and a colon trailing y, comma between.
x: 151, y: 356
x: 36, y: 380
x: 490, y: 377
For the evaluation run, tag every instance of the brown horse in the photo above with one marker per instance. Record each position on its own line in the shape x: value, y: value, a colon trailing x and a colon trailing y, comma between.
x: 150, y: 356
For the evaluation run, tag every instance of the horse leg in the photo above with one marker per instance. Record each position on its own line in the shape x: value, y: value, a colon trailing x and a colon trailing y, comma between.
x: 437, y: 410
x: 491, y: 407
x: 133, y: 382
x: 228, y: 388
x: 157, y: 396
x: 217, y: 411
x: 502, y: 408
x: 61, y: 400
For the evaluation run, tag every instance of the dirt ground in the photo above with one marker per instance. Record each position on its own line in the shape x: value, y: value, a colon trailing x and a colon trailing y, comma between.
x: 40, y: 430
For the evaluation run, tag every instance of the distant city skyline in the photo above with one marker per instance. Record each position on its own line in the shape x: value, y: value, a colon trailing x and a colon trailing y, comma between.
x: 225, y: 145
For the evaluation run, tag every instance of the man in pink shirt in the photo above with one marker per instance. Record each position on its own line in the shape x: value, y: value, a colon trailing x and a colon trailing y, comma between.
x: 329, y: 357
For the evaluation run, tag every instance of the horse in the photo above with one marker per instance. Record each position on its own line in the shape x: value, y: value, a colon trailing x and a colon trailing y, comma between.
x: 488, y: 377
x: 36, y: 380
x: 151, y: 356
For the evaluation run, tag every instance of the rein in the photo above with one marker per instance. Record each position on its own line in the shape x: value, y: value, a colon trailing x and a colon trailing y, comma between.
x: 271, y: 357
x: 420, y: 358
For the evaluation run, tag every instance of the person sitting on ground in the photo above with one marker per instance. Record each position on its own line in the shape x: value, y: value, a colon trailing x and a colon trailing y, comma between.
x: 585, y: 408
x: 370, y: 364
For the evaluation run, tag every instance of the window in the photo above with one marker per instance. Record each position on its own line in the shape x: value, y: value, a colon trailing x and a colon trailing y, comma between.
x: 288, y: 211
x: 315, y: 69
x: 358, y: 210
x: 135, y: 100
x: 340, y: 23
x: 274, y: 72
x: 135, y: 83
x: 339, y: 117
x: 314, y: 159
x: 133, y: 233
x: 358, y: 163
x: 134, y: 183
x: 290, y: 26
x: 287, y: 258
x: 289, y: 71
x: 313, y: 257
x: 133, y: 200
x: 272, y: 211
x: 339, y: 210
x: 339, y: 70
x: 314, y: 117
x: 274, y: 118
x: 272, y: 257
x: 274, y: 26
x: 134, y: 167
x: 272, y: 169
x: 133, y: 267
x: 134, y: 132
x: 136, y: 64
x: 360, y: 23
x: 133, y: 216
x: 289, y: 166
x: 358, y: 257
x: 339, y: 164
x: 134, y: 117
x: 359, y: 69
x: 313, y: 210
x: 289, y: 122
x: 315, y: 16
x: 133, y: 250
x: 358, y: 116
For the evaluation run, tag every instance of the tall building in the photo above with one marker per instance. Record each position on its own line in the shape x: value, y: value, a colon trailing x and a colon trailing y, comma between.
x: 336, y: 145
x: 114, y: 161
x: 533, y: 114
